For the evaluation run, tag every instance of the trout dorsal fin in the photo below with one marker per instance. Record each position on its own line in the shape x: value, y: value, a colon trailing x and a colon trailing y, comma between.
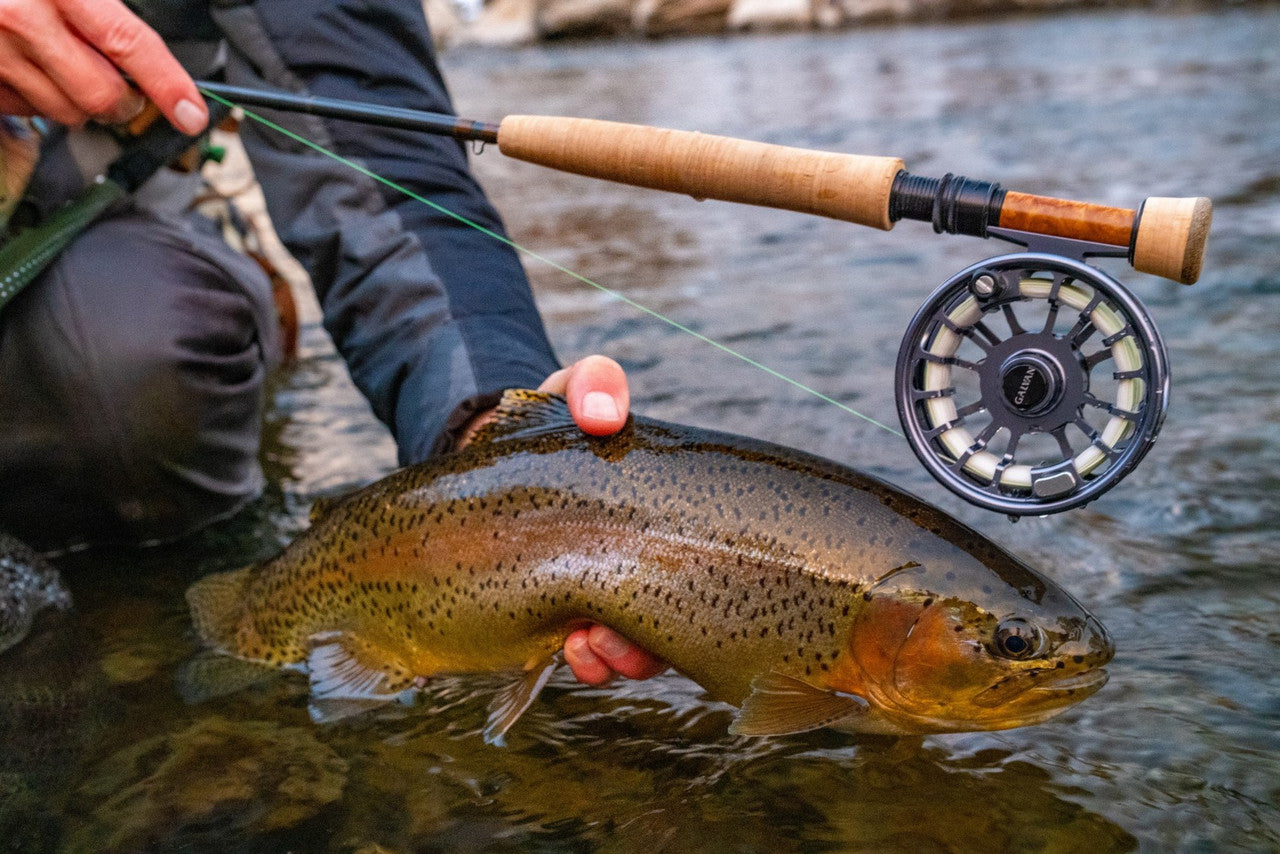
x: 781, y: 704
x: 525, y: 414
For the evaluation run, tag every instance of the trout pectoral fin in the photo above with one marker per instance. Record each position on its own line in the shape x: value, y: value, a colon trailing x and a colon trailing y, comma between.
x: 511, y: 702
x: 344, y: 666
x: 780, y: 704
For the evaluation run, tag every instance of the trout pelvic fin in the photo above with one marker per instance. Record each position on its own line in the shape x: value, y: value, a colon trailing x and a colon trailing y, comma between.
x: 349, y: 675
x: 781, y: 705
x: 511, y: 702
x: 525, y: 414
x: 216, y: 602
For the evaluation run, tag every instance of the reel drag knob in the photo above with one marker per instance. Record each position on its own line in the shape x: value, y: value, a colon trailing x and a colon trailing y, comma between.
x: 1031, y: 383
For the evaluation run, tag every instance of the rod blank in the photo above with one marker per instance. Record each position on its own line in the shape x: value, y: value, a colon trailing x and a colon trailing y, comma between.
x: 440, y: 124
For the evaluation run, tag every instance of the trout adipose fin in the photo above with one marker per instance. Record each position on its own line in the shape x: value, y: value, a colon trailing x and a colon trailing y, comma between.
x: 781, y: 705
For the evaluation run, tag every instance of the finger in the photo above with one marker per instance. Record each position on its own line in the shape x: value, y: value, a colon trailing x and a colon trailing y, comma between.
x: 557, y: 382
x: 586, y: 665
x: 85, y: 78
x: 29, y: 92
x: 621, y: 655
x: 132, y: 46
x: 13, y: 104
x: 598, y: 396
x: 44, y: 55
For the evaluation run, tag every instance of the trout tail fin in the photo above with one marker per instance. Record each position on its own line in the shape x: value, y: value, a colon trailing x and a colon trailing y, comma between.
x: 216, y: 603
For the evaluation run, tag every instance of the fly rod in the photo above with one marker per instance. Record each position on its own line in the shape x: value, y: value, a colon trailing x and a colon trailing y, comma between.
x: 1163, y: 236
x: 1028, y: 383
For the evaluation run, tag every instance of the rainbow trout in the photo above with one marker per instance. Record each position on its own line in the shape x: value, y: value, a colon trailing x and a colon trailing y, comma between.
x: 28, y: 584
x: 805, y: 593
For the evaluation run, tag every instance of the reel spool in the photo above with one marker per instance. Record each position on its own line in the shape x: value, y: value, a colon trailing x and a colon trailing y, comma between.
x: 1033, y: 382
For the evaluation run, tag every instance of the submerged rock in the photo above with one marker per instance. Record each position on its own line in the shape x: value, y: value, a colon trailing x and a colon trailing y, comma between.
x: 26, y: 823
x: 28, y: 585
x: 52, y: 709
x: 214, y: 783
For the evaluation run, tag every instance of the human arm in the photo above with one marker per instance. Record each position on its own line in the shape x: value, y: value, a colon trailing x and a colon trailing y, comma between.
x: 433, y: 316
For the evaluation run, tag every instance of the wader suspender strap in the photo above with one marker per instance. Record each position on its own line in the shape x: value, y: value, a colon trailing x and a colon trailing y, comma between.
x: 24, y: 257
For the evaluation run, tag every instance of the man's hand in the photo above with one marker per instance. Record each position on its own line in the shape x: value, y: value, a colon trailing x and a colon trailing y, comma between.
x: 64, y: 59
x: 596, y: 389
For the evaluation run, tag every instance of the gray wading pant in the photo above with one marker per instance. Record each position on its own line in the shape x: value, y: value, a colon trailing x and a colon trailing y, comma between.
x: 131, y: 385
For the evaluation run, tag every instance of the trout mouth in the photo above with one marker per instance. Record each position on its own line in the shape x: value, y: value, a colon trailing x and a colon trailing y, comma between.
x: 1025, y: 699
x: 1042, y: 689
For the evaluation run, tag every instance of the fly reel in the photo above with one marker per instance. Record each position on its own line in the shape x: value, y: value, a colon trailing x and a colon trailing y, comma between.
x: 1033, y: 382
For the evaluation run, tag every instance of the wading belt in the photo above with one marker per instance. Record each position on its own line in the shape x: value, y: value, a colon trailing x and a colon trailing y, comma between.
x: 26, y: 254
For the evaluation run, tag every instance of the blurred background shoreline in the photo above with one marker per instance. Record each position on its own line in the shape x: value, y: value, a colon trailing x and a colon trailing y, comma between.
x: 460, y: 23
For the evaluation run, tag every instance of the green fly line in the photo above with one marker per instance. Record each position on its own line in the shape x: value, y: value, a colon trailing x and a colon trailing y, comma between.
x: 549, y: 262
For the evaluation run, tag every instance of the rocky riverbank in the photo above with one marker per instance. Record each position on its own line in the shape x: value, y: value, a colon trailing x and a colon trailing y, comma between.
x: 519, y: 22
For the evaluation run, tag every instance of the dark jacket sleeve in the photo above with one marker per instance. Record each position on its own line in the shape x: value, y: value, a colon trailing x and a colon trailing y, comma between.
x: 429, y: 313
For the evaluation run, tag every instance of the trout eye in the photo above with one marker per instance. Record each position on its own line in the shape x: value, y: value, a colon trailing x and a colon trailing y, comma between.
x: 1017, y: 639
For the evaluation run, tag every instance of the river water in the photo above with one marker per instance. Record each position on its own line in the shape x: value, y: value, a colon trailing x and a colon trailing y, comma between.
x: 1180, y: 750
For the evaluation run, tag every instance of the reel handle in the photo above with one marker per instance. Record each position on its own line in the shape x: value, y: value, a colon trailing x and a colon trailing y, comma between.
x: 1165, y: 236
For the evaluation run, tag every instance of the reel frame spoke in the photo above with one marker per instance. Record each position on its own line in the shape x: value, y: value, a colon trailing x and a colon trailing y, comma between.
x: 1094, y: 359
x: 1012, y: 429
x: 1015, y: 328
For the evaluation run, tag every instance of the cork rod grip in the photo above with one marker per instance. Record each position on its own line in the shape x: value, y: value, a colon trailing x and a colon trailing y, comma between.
x: 849, y: 187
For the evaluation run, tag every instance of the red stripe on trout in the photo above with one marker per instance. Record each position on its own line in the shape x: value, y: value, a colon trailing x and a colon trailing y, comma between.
x: 802, y: 591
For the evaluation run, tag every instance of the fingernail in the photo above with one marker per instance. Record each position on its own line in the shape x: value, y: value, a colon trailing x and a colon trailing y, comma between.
x: 190, y: 118
x: 611, y: 645
x: 599, y: 405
